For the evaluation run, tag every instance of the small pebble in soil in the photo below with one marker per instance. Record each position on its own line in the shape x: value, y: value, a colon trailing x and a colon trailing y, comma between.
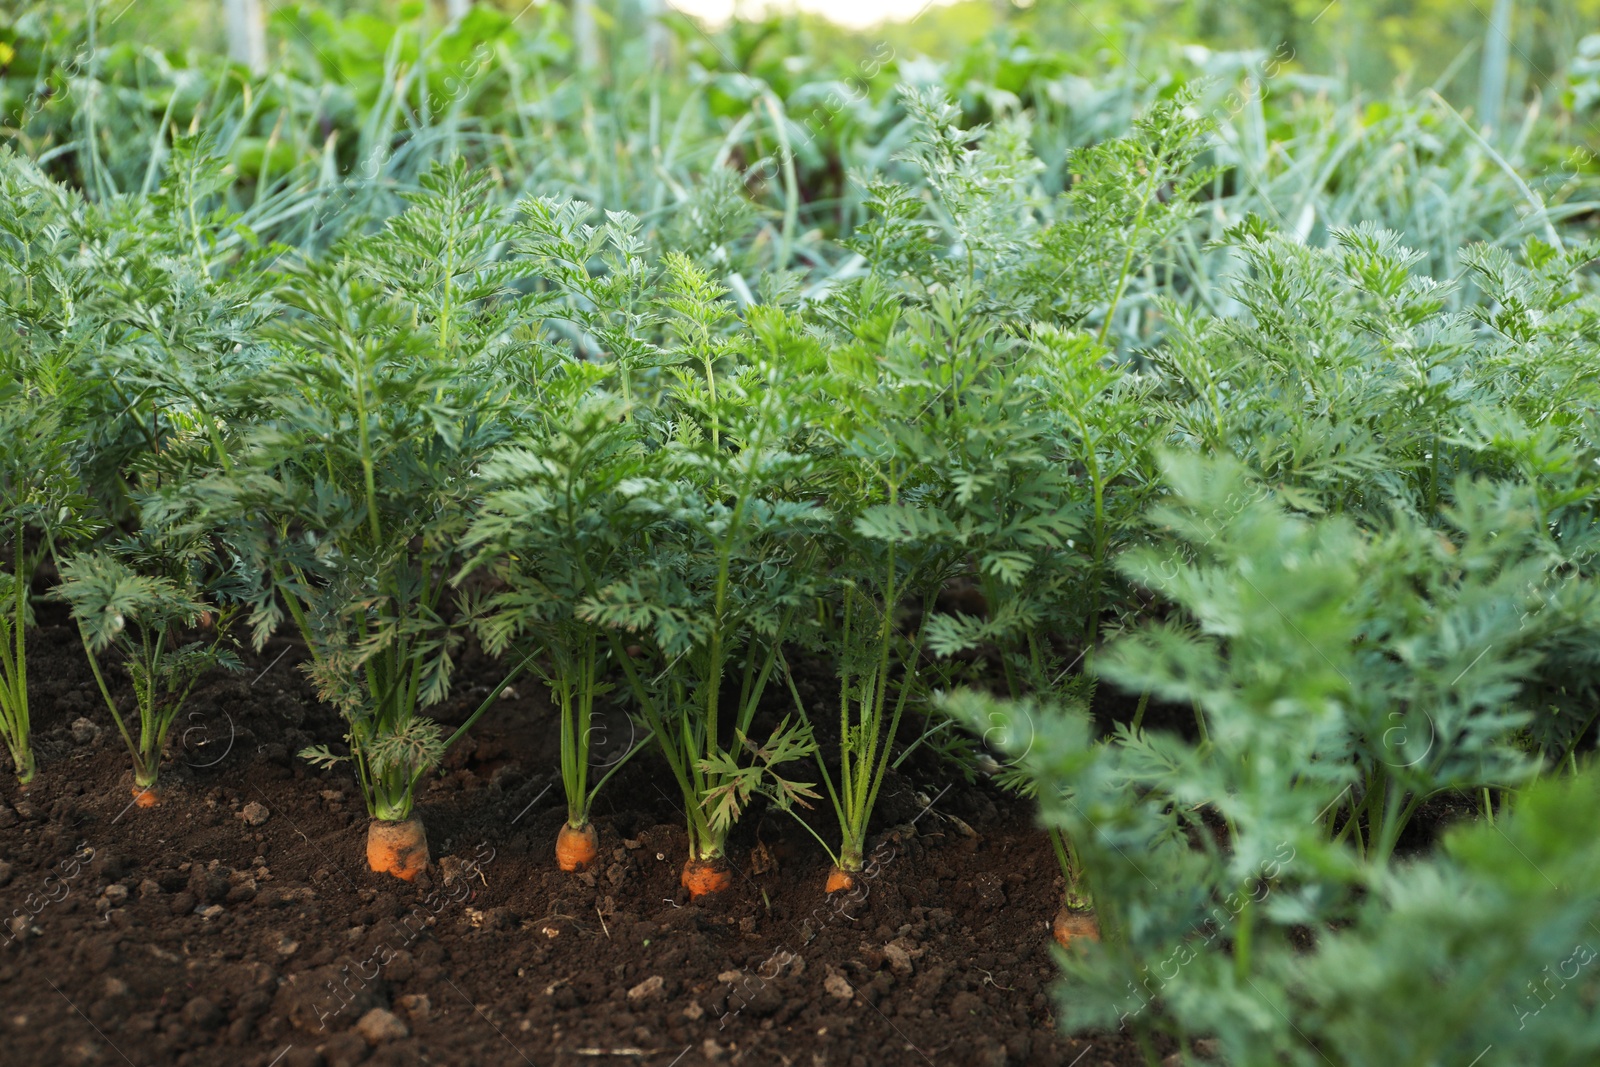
x: 836, y: 986
x: 380, y: 1025
x: 648, y: 990
x: 255, y: 813
x: 416, y: 1006
x: 84, y: 731
x: 899, y: 959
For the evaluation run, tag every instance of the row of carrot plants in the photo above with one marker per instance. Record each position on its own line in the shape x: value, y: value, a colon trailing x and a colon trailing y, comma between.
x: 1337, y: 514
x: 509, y: 424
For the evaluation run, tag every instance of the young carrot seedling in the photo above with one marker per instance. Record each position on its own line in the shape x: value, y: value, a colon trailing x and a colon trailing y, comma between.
x: 717, y: 584
x: 555, y: 527
x: 729, y: 575
x: 144, y: 618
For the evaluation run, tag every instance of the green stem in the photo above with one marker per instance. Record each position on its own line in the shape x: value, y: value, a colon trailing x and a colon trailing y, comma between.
x: 1123, y: 272
x: 827, y: 776
x: 105, y: 692
x: 1395, y: 819
x: 1138, y: 712
x: 1097, y: 567
x: 15, y: 682
x: 365, y: 443
x: 1200, y: 725
x: 1059, y: 847
x: 1241, y: 943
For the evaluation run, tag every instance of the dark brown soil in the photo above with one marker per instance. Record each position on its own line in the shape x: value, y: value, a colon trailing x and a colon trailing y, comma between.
x: 237, y: 923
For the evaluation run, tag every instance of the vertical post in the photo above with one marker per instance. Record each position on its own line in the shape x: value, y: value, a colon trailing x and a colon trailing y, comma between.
x: 1492, y: 72
x: 247, y: 34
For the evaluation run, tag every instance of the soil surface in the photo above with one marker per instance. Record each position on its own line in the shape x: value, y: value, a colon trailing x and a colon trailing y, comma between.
x: 237, y: 922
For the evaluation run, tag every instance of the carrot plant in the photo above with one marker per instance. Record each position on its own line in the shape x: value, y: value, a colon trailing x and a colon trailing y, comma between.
x: 942, y: 472
x: 116, y: 337
x: 972, y: 451
x: 351, y: 495
x: 141, y: 597
x: 1348, y: 387
x: 40, y: 492
x: 731, y: 582
x: 33, y: 457
x: 1342, y: 677
x: 723, y: 578
x: 1129, y: 200
x: 557, y: 529
x: 38, y: 508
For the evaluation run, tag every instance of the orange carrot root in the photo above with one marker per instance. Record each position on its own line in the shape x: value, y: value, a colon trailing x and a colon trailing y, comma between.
x: 397, y: 848
x: 840, y: 881
x: 146, y: 796
x: 1074, y: 926
x: 577, y: 849
x: 701, y: 877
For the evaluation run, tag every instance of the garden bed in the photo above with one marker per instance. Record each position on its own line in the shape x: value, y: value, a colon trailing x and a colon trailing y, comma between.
x: 187, y: 934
